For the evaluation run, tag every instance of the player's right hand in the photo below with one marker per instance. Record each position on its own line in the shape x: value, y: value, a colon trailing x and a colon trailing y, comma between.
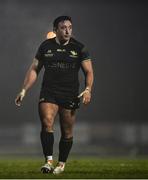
x: 19, y: 97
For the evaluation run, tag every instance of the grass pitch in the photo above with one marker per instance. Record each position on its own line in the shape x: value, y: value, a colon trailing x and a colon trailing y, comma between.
x: 84, y: 168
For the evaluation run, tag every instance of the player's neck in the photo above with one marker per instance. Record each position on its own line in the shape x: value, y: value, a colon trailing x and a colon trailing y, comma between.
x: 61, y: 42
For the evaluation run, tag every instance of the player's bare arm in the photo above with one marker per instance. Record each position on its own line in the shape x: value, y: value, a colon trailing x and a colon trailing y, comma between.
x: 29, y: 80
x: 89, y: 77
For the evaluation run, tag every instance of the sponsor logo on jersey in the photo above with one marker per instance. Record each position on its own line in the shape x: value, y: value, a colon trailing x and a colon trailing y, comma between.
x: 61, y: 50
x: 48, y: 53
x: 61, y: 65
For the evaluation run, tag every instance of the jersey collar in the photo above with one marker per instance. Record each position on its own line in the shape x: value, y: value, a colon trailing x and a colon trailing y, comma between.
x: 57, y: 41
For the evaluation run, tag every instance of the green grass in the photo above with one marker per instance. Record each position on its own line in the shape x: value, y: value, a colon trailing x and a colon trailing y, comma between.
x: 84, y: 168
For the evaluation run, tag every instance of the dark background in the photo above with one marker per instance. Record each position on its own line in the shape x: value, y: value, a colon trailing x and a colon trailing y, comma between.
x: 115, y: 33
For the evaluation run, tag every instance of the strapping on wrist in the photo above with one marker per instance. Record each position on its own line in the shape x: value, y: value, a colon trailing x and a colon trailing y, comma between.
x: 88, y: 89
x: 23, y: 91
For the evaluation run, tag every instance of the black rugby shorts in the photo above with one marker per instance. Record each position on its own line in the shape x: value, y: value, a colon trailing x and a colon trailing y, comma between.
x: 67, y: 103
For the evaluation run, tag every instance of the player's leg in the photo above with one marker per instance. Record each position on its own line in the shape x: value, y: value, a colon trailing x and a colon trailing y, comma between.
x: 47, y: 113
x: 67, y: 119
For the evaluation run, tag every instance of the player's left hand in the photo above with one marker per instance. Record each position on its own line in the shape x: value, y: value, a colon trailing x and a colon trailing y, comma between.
x: 86, y: 94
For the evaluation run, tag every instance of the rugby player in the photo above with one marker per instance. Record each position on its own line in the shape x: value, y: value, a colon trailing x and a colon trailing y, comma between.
x: 62, y: 57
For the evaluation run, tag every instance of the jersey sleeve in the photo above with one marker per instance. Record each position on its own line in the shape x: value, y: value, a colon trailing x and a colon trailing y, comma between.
x: 39, y: 53
x: 85, y: 54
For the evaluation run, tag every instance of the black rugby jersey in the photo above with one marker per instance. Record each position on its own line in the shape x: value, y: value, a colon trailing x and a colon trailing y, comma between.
x: 62, y: 64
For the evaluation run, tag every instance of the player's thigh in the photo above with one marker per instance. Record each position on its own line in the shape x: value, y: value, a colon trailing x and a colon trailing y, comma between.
x: 47, y: 112
x: 67, y: 117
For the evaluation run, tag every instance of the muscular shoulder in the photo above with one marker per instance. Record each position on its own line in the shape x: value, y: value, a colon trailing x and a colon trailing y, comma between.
x: 76, y: 43
x: 84, y: 54
x: 47, y: 42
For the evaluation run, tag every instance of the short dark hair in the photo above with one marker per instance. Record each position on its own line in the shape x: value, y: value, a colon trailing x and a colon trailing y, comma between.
x: 60, y: 19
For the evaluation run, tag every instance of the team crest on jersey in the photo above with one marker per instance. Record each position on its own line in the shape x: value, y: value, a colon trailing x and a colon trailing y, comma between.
x: 48, y: 53
x: 73, y: 54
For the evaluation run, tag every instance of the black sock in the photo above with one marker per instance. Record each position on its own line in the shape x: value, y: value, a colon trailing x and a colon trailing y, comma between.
x: 47, y: 140
x: 64, y: 148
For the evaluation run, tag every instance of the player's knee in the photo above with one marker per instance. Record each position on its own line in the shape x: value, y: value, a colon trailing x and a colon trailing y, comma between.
x: 48, y: 118
x: 48, y: 122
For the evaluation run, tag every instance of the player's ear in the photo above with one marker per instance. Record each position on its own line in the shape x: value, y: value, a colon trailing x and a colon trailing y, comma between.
x: 54, y: 30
